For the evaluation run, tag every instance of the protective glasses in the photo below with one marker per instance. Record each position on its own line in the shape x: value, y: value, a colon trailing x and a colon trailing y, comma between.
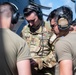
x: 52, y: 26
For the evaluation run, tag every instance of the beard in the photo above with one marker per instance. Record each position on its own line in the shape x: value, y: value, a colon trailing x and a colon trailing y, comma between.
x: 34, y: 28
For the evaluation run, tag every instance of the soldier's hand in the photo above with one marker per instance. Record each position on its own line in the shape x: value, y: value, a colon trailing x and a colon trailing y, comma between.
x: 40, y: 63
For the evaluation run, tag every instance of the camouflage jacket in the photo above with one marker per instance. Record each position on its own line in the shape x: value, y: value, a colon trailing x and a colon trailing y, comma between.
x: 39, y: 45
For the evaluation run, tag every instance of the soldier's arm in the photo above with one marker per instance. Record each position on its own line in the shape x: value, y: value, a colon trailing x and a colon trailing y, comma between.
x: 24, y: 67
x: 66, y: 67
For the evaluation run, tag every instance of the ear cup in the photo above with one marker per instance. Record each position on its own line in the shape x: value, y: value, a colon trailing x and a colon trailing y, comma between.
x: 63, y: 23
x: 15, y: 15
x: 64, y: 17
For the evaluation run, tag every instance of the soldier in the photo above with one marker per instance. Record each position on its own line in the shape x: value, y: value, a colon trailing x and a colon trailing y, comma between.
x: 14, y: 51
x: 37, y: 34
x: 65, y: 47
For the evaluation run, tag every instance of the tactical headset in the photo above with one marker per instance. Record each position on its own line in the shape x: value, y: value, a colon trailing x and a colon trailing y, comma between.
x: 30, y: 8
x: 15, y: 15
x: 64, y: 16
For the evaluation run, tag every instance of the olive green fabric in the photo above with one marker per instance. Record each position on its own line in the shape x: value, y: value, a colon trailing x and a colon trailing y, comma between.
x: 66, y: 50
x: 15, y: 50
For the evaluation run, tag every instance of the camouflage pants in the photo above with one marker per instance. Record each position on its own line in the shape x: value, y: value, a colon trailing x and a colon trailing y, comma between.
x: 44, y: 71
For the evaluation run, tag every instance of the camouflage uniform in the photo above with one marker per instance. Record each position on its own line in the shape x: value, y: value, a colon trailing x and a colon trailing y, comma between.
x: 40, y: 47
